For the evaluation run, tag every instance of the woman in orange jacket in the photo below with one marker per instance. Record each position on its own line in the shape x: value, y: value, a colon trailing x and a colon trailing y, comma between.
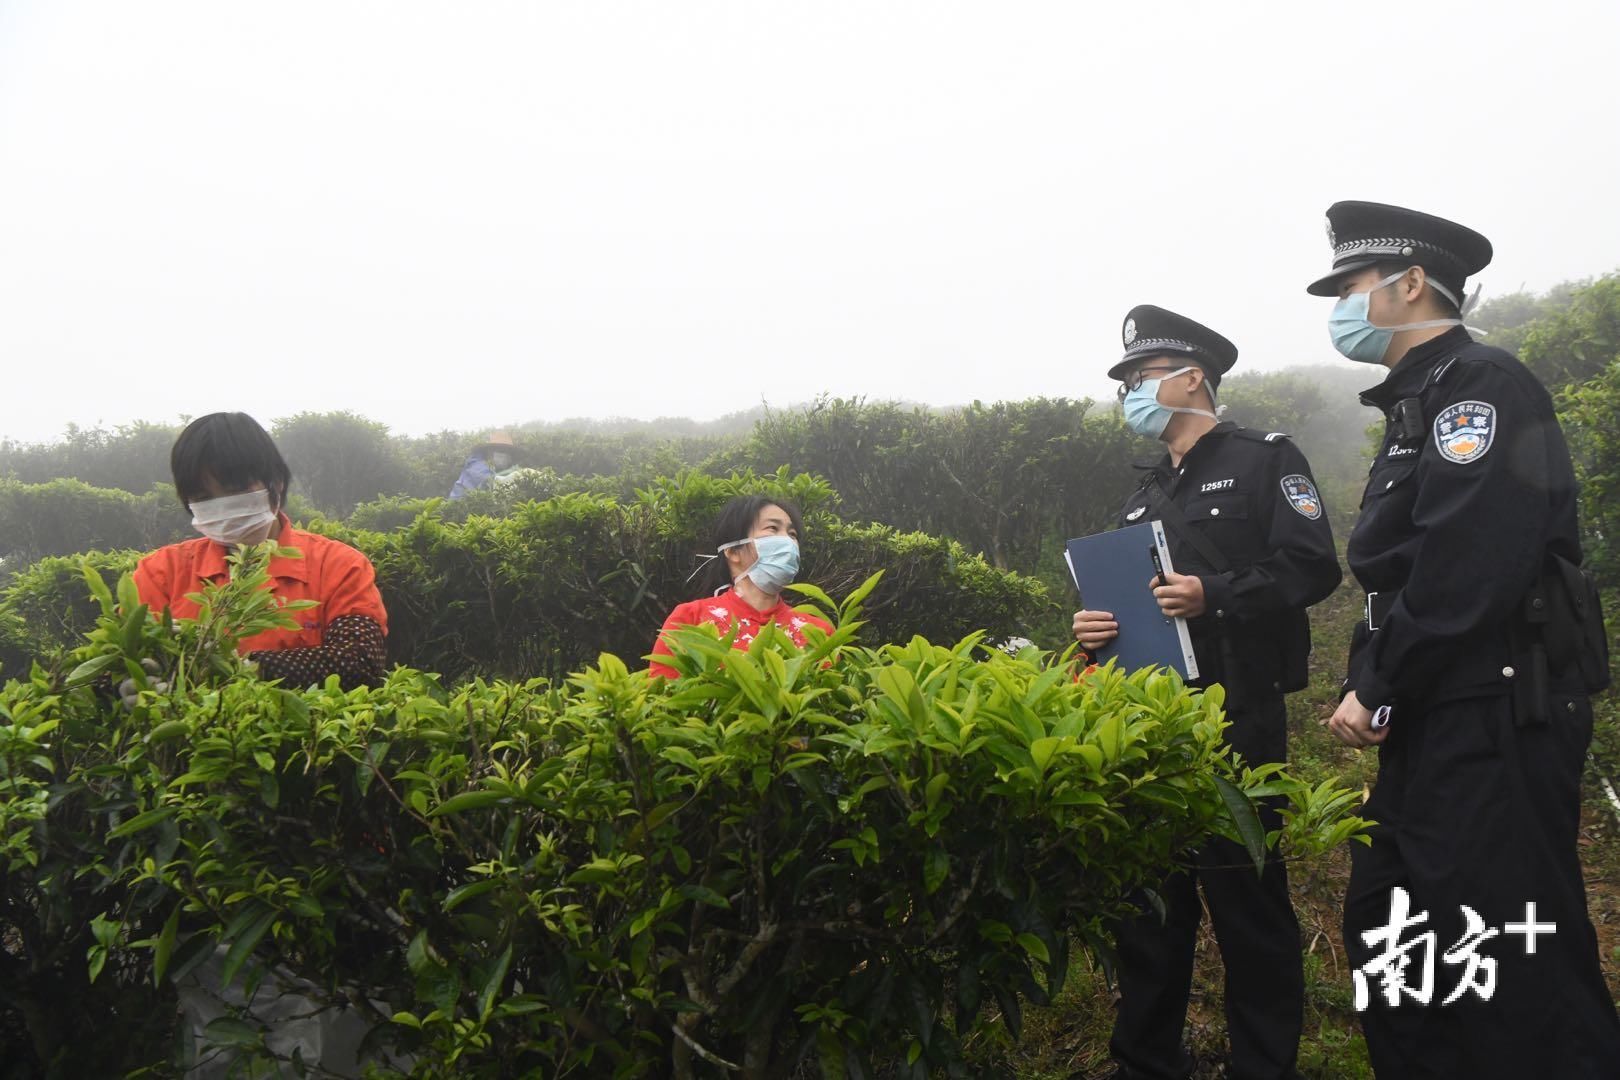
x: 229, y: 474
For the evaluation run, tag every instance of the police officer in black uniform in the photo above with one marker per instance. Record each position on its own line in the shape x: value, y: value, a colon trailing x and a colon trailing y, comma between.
x: 1470, y: 668
x: 1252, y: 550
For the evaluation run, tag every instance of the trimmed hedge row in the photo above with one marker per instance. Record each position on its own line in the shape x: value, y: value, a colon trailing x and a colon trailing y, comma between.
x: 832, y: 859
x: 552, y: 584
x: 64, y: 517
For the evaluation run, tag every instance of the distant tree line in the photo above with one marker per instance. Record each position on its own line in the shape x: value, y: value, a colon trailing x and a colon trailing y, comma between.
x: 1010, y: 480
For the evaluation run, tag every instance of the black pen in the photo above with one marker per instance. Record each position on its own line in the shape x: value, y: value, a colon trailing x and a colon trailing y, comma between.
x: 1158, y: 565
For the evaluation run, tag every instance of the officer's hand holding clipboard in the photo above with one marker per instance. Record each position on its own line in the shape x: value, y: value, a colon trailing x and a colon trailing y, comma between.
x: 1180, y: 596
x: 1094, y: 629
x: 1121, y: 575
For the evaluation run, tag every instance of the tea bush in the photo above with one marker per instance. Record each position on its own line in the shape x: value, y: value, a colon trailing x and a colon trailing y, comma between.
x: 65, y: 517
x: 547, y: 586
x: 837, y: 859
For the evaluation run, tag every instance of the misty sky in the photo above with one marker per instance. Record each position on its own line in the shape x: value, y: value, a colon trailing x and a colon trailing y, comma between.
x: 459, y: 215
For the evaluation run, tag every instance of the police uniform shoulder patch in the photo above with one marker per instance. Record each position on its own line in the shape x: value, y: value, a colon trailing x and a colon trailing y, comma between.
x: 1463, y: 432
x: 1302, y: 495
x: 1261, y: 436
x: 1439, y: 372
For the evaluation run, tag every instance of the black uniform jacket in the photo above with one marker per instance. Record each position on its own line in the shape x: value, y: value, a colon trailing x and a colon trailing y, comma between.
x: 1252, y: 496
x: 1471, y: 486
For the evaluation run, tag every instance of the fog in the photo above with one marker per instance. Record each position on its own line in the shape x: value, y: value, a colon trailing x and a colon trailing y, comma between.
x: 453, y: 216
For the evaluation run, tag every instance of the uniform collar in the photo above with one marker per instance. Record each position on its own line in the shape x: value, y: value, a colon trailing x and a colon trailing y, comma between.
x: 1161, y: 465
x: 211, y: 563
x: 1408, y: 377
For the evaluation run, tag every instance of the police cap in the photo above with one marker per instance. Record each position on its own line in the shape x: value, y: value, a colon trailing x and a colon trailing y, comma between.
x: 1153, y: 331
x: 1364, y: 234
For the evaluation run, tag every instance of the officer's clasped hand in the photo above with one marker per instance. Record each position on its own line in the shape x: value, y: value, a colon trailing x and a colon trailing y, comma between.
x: 1352, y: 724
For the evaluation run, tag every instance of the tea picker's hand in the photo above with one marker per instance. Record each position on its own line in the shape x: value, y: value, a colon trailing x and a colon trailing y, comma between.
x: 129, y: 693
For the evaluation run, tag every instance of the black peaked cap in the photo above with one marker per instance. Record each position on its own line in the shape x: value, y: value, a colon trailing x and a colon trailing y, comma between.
x: 1366, y: 233
x: 1154, y: 331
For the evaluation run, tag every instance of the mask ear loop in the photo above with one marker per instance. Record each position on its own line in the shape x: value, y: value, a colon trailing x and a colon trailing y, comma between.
x: 707, y: 559
x: 1219, y: 409
x: 1464, y: 307
x: 1468, y: 305
x: 1472, y: 302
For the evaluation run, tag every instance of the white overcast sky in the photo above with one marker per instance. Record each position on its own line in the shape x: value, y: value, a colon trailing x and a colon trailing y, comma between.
x: 465, y: 214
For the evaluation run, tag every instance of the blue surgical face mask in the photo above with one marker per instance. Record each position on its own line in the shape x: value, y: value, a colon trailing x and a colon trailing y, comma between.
x: 1143, y: 412
x: 777, y: 562
x: 1355, y: 335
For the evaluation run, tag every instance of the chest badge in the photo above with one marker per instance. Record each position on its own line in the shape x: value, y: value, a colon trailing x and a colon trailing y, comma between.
x: 1134, y: 514
x: 1464, y: 432
x: 1302, y: 495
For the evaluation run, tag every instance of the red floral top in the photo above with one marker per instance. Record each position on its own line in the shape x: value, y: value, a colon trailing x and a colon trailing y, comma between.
x: 728, y: 610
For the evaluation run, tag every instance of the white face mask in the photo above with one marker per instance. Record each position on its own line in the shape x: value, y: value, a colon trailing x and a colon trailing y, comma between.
x: 233, y: 519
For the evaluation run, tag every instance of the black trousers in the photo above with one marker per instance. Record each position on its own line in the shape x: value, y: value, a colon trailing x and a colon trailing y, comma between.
x: 1475, y: 810
x: 1258, y: 935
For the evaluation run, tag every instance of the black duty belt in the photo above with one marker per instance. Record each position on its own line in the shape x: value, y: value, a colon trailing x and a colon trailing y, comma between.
x: 1377, y: 610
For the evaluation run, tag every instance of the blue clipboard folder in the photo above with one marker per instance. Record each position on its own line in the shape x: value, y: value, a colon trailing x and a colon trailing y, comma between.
x: 1112, y: 571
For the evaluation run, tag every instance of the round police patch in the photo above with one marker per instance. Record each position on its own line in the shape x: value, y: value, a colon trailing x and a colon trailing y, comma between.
x: 1130, y: 331
x: 1464, y: 432
x: 1302, y: 495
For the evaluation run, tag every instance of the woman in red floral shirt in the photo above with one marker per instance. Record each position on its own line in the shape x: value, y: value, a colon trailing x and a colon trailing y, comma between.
x: 756, y: 543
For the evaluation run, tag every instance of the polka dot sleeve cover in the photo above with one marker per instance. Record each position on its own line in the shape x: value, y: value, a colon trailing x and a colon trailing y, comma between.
x: 352, y: 649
